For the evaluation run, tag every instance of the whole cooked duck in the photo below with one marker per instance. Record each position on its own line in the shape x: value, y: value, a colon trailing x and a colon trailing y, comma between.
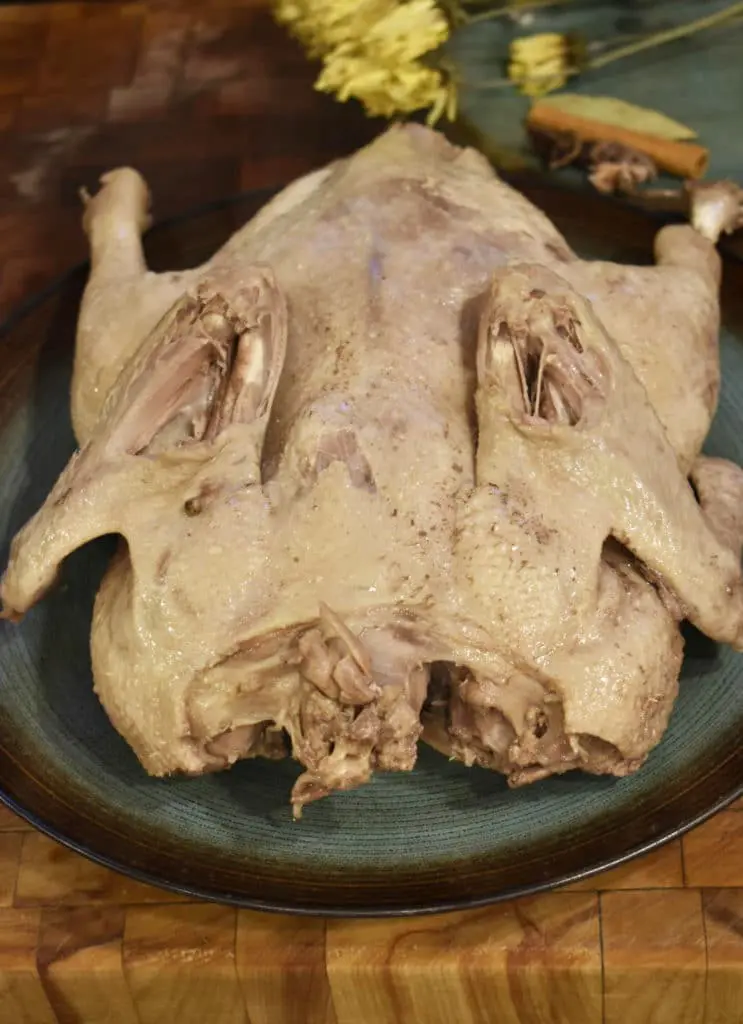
x: 394, y: 462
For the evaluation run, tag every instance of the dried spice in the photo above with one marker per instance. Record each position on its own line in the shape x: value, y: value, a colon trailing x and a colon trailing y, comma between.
x: 683, y: 159
x: 611, y: 166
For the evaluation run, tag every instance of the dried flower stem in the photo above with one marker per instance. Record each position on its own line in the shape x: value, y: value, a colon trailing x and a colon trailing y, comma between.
x: 510, y: 9
x: 648, y: 42
x: 669, y: 36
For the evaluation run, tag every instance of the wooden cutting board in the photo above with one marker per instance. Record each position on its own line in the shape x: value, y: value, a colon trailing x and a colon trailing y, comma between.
x: 658, y: 941
x: 214, y: 87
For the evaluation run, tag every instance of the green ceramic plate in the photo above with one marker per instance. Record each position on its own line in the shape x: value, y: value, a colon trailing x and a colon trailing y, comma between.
x: 442, y: 837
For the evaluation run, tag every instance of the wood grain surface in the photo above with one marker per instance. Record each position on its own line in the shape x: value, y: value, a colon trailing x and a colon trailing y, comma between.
x: 206, y: 99
x: 647, y: 943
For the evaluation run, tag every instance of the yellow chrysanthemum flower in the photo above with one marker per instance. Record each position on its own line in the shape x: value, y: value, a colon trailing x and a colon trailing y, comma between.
x: 372, y: 50
x: 408, y: 31
x: 321, y: 25
x: 539, y: 64
x: 386, y: 91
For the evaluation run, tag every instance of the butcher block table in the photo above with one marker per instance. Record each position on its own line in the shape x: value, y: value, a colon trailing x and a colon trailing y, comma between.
x: 658, y: 941
x: 207, y: 99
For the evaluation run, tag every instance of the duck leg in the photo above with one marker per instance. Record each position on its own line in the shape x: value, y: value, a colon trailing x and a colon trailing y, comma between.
x: 123, y: 300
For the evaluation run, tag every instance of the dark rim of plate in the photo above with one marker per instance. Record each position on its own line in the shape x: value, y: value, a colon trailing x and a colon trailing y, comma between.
x: 332, y: 910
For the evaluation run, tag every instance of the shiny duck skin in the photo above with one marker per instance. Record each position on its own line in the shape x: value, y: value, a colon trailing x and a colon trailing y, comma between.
x: 394, y: 464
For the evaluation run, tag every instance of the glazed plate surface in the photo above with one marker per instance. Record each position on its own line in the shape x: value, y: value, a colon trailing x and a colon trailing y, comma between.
x: 444, y: 836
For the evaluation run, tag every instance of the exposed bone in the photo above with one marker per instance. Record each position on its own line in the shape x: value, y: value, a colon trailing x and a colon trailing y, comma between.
x: 716, y: 207
x: 318, y: 662
x: 334, y: 626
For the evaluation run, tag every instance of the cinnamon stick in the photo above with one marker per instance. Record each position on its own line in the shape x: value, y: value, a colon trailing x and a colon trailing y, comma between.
x: 682, y: 159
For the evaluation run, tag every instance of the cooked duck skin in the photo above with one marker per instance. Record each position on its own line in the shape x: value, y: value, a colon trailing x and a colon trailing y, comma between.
x: 393, y: 429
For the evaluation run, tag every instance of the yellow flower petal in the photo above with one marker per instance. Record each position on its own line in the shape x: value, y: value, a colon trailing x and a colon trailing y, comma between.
x: 539, y: 64
x: 371, y: 50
